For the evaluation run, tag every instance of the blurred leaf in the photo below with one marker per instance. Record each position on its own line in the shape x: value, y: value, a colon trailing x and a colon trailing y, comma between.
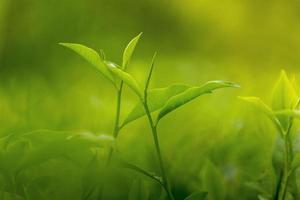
x: 284, y: 97
x: 10, y: 196
x: 129, y: 51
x: 197, y: 196
x: 45, y: 145
x: 92, y: 139
x: 128, y: 79
x: 40, y: 187
x: 138, y: 191
x: 214, y: 182
x: 257, y: 187
x: 93, y: 176
x: 156, y: 99
x: 92, y: 57
x: 192, y: 93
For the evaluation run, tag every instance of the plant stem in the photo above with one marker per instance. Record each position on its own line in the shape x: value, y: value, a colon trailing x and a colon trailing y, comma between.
x: 288, y: 154
x: 115, y: 133
x: 117, y: 120
x: 158, y: 151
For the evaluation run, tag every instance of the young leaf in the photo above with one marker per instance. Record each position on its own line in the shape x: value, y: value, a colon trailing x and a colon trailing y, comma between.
x: 192, y: 93
x: 156, y: 100
x: 129, y: 51
x: 127, y: 78
x: 258, y: 103
x: 197, y: 196
x: 214, y: 182
x: 92, y: 57
x: 149, y: 75
x: 284, y: 97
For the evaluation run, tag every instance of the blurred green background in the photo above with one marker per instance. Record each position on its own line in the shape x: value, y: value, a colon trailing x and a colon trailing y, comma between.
x: 45, y: 86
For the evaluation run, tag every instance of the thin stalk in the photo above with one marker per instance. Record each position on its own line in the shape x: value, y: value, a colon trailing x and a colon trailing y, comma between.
x: 117, y: 120
x: 159, y: 155
x: 285, y: 176
x: 288, y: 155
x: 144, y: 101
x: 115, y: 132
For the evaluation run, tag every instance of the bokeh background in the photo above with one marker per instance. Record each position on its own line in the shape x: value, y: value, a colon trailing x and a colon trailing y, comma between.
x: 45, y: 86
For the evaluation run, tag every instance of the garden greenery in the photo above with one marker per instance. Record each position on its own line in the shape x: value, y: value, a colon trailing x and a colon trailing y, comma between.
x: 20, y: 152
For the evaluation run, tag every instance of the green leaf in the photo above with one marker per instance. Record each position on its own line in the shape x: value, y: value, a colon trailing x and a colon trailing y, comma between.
x: 260, y: 105
x: 192, y: 93
x: 129, y: 51
x: 92, y: 57
x: 197, y: 196
x: 214, y: 182
x: 47, y: 144
x: 284, y: 97
x: 138, y: 191
x: 288, y: 113
x: 10, y: 196
x: 156, y: 99
x: 128, y: 79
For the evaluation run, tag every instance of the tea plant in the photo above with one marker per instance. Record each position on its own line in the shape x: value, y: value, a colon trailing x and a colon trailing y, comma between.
x: 282, y: 113
x: 100, y: 63
x: 163, y: 100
